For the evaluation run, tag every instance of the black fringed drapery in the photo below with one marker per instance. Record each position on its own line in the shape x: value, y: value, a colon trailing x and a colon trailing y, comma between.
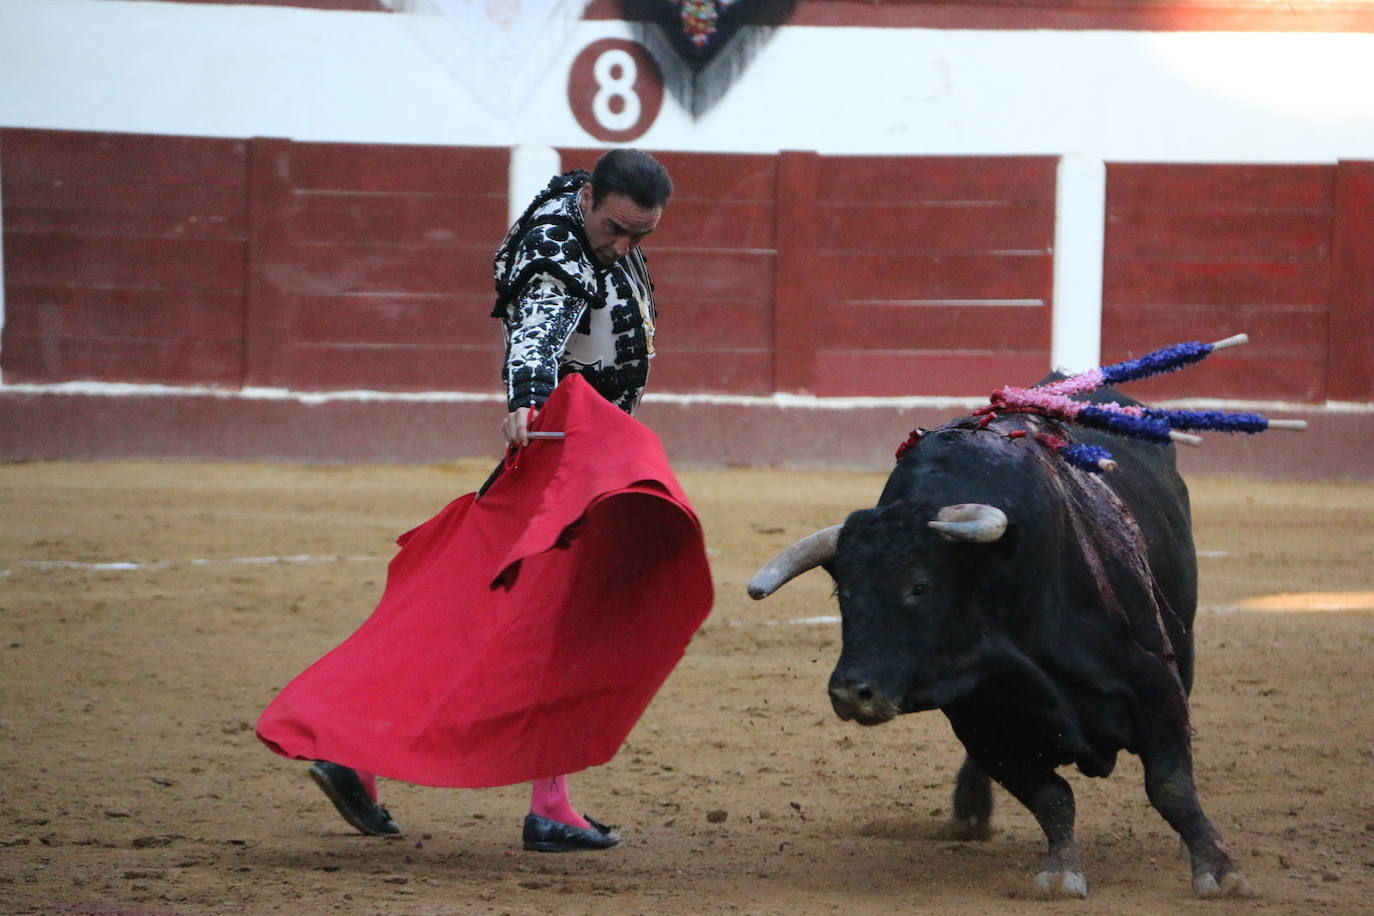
x: 704, y: 46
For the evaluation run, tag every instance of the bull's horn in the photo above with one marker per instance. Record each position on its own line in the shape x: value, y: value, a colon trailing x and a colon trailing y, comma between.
x: 974, y: 522
x: 808, y: 553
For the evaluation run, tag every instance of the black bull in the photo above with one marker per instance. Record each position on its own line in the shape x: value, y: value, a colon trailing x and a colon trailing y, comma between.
x: 1047, y: 611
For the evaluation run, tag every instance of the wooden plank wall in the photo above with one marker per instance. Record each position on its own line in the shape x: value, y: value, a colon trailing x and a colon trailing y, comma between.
x: 333, y: 266
x: 371, y: 266
x: 1198, y: 252
x: 189, y: 260
x: 851, y: 275
x: 124, y: 257
x: 932, y: 274
x: 1350, y: 369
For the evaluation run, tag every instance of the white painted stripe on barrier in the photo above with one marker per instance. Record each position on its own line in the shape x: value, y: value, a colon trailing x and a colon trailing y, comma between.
x: 129, y: 389
x: 780, y: 399
x: 797, y: 622
x: 192, y: 562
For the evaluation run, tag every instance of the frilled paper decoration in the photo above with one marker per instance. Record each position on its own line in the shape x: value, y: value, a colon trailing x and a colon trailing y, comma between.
x: 1054, y: 400
x: 704, y: 46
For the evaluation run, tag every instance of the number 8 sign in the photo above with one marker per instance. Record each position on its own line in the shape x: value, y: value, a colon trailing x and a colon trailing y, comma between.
x: 615, y: 90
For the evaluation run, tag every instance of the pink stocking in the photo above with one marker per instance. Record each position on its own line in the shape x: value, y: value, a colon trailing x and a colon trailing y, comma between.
x: 549, y: 799
x: 369, y: 781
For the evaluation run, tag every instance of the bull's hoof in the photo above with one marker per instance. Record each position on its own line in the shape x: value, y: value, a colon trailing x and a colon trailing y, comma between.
x: 1061, y: 884
x: 1232, y: 884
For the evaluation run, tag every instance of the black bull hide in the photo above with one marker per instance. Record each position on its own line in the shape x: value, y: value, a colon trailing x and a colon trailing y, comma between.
x: 1063, y: 640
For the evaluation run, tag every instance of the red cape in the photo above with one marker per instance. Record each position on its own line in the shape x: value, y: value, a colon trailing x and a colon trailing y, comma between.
x: 520, y: 635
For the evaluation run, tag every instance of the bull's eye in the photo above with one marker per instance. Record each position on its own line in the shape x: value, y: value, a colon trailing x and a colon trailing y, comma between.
x: 919, y: 589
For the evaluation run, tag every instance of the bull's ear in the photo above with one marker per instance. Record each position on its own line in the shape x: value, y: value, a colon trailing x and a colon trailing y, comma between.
x: 975, y: 523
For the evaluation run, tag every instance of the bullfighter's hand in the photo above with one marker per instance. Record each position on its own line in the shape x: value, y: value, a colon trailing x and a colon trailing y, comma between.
x: 517, y: 425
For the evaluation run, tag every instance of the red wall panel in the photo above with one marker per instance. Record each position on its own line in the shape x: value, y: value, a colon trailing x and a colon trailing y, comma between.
x: 932, y: 179
x: 1350, y: 373
x: 696, y: 323
x: 691, y: 370
x: 391, y: 318
x: 135, y: 313
x: 938, y: 227
x: 177, y: 361
x: 371, y: 266
x: 396, y: 219
x: 61, y: 207
x: 795, y: 302
x: 94, y: 159
x: 858, y: 276
x: 859, y: 326
x: 1198, y: 252
x: 897, y: 373
x: 1166, y: 186
x: 1175, y: 282
x: 356, y: 266
x: 465, y: 171
x: 125, y: 257
x: 442, y: 366
x: 921, y: 258
x: 101, y: 261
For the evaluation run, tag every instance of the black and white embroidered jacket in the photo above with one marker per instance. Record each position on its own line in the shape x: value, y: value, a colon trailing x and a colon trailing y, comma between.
x: 563, y: 312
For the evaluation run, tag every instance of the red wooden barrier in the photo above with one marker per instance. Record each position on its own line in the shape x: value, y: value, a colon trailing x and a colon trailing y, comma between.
x: 1351, y: 367
x: 932, y: 275
x: 371, y: 266
x: 1198, y: 252
x: 124, y: 257
x: 795, y: 301
x: 317, y: 266
x: 851, y: 275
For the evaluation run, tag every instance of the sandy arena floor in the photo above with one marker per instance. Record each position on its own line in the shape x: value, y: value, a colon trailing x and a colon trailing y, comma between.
x: 141, y: 634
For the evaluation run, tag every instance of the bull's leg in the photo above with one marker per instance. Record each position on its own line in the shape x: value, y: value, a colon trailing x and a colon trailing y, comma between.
x: 1169, y: 785
x: 1050, y: 799
x: 999, y: 745
x: 972, y: 803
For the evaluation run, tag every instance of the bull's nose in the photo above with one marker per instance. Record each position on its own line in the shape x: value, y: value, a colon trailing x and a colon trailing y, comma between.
x: 859, y: 699
x: 850, y: 697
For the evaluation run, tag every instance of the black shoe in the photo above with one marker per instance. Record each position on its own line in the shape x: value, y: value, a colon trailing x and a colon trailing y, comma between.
x: 544, y: 835
x: 346, y: 791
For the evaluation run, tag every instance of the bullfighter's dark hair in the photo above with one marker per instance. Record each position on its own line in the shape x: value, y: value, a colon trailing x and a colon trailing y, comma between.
x: 634, y: 173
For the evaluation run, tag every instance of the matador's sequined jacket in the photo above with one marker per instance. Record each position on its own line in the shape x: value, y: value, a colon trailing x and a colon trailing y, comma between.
x: 563, y: 312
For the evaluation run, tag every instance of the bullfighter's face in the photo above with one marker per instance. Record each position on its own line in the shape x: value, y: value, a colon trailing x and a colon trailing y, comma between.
x: 911, y: 632
x: 615, y: 225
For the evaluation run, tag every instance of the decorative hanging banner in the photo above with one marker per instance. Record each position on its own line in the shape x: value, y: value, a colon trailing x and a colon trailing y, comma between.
x: 500, y: 50
x: 704, y: 46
